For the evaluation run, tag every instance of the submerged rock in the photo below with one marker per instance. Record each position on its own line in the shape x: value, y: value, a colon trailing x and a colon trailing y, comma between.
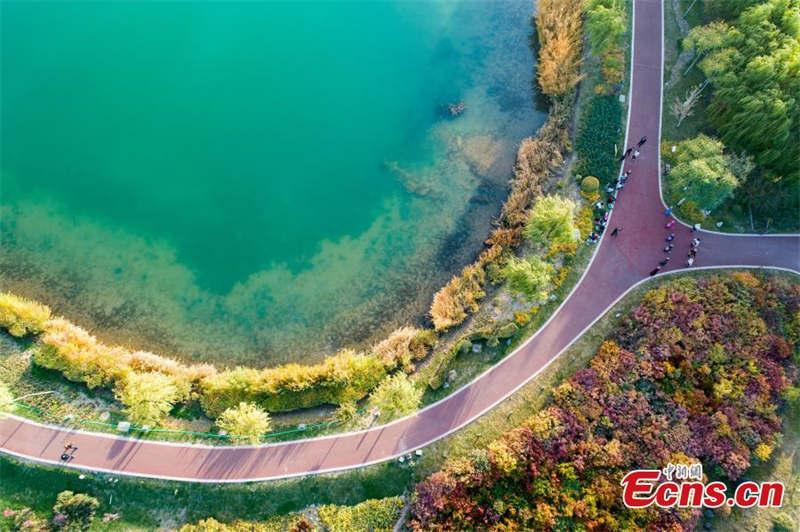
x: 456, y: 109
x: 453, y: 109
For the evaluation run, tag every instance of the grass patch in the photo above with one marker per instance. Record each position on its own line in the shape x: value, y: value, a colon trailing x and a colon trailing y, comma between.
x: 148, y: 504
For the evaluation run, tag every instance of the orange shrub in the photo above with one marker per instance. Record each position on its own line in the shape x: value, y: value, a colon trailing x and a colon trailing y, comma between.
x: 457, y: 298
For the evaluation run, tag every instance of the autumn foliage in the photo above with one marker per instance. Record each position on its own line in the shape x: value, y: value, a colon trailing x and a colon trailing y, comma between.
x: 695, y: 372
x: 459, y: 297
x: 559, y: 28
x: 537, y: 157
x: 149, y: 385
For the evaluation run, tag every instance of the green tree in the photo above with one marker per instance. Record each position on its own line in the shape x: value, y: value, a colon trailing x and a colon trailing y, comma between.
x: 753, y: 65
x: 74, y: 511
x: 396, y: 396
x: 551, y: 221
x: 246, y: 421
x: 529, y: 277
x: 148, y: 397
x: 605, y: 24
x: 726, y: 9
x: 704, y: 173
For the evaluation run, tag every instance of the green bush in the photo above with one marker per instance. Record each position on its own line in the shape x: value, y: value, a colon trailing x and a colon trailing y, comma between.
x: 374, y: 515
x: 590, y: 184
x: 551, y: 221
x: 690, y: 212
x: 530, y: 278
x: 23, y: 519
x: 293, y: 522
x: 74, y: 511
x: 599, y: 132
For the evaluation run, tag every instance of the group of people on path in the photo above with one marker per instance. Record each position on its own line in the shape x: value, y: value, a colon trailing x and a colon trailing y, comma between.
x: 602, y: 210
x: 602, y: 213
x: 693, y: 245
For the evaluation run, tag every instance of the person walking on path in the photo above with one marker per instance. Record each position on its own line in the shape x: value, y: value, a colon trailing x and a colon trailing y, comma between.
x: 668, y: 248
x: 695, y: 228
x: 69, y: 451
x: 670, y: 224
x: 625, y: 155
x: 616, y: 231
x: 664, y: 262
x: 670, y: 238
x: 635, y: 155
x: 641, y: 141
x: 692, y: 253
x: 628, y: 172
x: 690, y: 262
x: 668, y: 211
x: 655, y: 270
x: 695, y: 242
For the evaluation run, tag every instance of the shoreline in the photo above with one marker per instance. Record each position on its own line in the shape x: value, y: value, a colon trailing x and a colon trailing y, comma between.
x: 254, y: 324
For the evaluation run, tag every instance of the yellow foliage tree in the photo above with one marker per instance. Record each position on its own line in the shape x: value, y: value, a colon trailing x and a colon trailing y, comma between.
x: 395, y: 396
x: 246, y: 421
x: 148, y: 397
x: 559, y: 27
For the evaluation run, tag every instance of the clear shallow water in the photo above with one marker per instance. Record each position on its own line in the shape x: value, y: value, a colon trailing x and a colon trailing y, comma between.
x: 253, y: 182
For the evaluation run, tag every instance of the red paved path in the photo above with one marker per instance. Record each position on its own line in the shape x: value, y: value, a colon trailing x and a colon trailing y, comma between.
x: 619, y: 263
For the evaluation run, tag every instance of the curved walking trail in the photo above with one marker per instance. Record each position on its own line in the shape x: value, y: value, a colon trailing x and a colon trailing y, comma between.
x: 620, y: 263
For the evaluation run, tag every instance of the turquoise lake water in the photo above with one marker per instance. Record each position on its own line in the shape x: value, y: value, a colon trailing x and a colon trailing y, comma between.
x: 254, y: 182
